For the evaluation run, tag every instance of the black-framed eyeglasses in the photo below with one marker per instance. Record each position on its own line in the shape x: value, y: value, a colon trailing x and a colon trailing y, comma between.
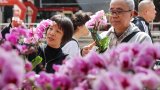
x: 118, y: 12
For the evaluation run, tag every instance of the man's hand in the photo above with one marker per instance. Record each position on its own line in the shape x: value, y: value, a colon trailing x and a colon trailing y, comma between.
x: 86, y: 49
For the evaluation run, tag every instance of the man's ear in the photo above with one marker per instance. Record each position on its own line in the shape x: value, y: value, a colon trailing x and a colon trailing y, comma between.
x: 132, y: 14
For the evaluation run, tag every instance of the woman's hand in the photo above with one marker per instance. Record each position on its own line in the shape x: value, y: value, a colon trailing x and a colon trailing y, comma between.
x: 86, y: 49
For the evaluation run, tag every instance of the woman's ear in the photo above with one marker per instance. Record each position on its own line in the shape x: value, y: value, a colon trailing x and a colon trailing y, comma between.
x: 77, y: 29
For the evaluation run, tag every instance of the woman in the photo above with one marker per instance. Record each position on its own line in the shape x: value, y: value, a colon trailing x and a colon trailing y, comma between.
x: 57, y: 34
x: 72, y: 47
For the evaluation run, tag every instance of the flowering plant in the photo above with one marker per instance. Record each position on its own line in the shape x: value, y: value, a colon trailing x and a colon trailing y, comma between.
x: 25, y: 41
x: 124, y: 66
x: 128, y: 66
x: 12, y: 70
x: 97, y: 22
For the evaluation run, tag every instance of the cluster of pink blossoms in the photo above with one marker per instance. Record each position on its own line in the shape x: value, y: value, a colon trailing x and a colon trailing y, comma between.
x: 25, y: 40
x: 128, y: 67
x: 97, y: 21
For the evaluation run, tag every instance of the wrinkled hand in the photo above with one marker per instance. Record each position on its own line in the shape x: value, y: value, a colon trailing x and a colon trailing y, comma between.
x: 86, y: 49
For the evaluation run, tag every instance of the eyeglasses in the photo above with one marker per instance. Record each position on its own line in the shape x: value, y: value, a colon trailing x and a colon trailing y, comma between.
x: 118, y: 12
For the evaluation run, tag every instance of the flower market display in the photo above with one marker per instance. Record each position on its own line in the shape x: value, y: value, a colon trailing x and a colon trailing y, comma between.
x: 125, y: 67
x: 129, y: 67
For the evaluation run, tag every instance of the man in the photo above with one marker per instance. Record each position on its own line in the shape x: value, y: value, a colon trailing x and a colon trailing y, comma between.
x: 15, y: 22
x: 122, y: 29
x: 146, y: 14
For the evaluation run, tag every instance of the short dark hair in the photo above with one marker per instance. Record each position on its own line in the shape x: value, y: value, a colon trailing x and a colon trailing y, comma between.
x: 66, y: 25
x: 79, y: 19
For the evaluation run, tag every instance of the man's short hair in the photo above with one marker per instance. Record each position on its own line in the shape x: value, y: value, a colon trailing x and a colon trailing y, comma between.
x: 143, y: 4
x: 130, y: 3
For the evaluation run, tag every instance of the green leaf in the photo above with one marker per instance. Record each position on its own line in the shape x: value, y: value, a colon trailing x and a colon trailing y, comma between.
x: 58, y: 88
x: 104, y: 44
x: 37, y: 60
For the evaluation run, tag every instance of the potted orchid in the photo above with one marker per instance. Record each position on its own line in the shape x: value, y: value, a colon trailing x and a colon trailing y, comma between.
x: 25, y: 41
x: 97, y: 22
x: 124, y: 66
x: 36, y: 37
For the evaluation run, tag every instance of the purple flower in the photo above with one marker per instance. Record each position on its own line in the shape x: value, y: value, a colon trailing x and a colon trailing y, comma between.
x: 12, y: 38
x: 149, y: 50
x: 90, y: 23
x: 2, y: 62
x: 148, y: 78
x: 18, y: 31
x: 144, y: 60
x: 111, y: 57
x: 28, y: 66
x: 43, y: 25
x: 31, y: 32
x: 97, y: 20
x: 30, y: 75
x: 29, y: 80
x: 40, y: 34
x: 12, y: 70
x: 157, y: 71
x: 7, y: 46
x: 62, y: 82
x: 44, y: 80
x: 77, y: 67
x: 104, y: 82
x: 22, y: 48
x: 95, y: 60
x: 125, y: 60
x: 56, y: 67
x: 157, y: 50
x: 10, y: 87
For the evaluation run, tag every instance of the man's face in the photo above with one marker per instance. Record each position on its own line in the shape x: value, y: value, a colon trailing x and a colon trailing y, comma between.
x: 150, y: 12
x: 16, y: 22
x: 120, y: 14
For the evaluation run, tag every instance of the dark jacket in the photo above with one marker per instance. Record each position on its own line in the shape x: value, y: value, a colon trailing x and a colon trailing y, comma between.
x: 142, y: 24
x: 6, y: 30
x: 50, y: 56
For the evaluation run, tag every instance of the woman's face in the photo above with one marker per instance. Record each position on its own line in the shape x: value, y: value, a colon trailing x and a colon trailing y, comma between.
x: 54, y: 36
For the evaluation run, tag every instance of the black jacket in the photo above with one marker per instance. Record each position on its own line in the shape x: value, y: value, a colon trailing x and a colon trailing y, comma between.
x: 142, y: 25
x: 6, y: 30
x: 50, y: 56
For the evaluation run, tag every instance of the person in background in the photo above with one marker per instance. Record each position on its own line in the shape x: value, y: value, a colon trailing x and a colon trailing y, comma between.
x: 122, y: 30
x: 79, y: 19
x: 57, y: 34
x: 146, y: 14
x: 135, y: 8
x: 15, y: 22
